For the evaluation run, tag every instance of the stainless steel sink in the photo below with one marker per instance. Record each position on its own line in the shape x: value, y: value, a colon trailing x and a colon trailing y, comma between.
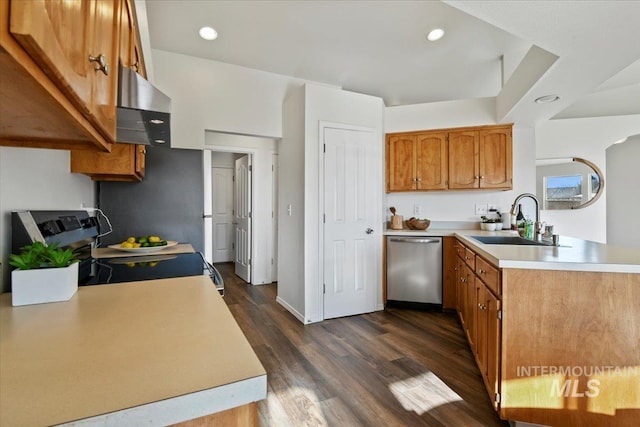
x: 508, y: 240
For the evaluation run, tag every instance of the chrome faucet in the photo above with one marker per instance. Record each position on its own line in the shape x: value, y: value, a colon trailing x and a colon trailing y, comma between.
x: 537, y: 231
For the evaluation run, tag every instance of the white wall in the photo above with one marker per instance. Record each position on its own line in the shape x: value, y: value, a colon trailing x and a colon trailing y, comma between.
x: 221, y: 159
x: 336, y: 106
x: 623, y: 203
x: 299, y: 288
x: 454, y: 205
x: 212, y: 95
x: 587, y: 138
x: 262, y: 150
x: 291, y: 243
x: 36, y: 179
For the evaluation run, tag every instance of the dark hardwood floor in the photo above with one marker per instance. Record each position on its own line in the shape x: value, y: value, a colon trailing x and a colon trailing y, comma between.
x: 396, y: 367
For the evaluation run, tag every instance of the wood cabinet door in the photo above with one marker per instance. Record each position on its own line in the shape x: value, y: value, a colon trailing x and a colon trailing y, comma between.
x: 449, y: 283
x: 493, y: 345
x: 125, y: 162
x: 60, y: 36
x: 470, y: 305
x: 56, y: 35
x: 401, y: 163
x: 481, y: 326
x: 105, y: 86
x: 126, y: 33
x: 463, y: 160
x: 130, y: 49
x: 461, y: 293
x: 496, y: 159
x: 431, y: 161
x: 141, y: 152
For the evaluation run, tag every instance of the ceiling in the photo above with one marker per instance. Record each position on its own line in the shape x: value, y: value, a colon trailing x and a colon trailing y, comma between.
x: 380, y: 48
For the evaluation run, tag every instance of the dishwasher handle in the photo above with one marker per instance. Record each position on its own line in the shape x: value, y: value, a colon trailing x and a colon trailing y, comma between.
x: 413, y: 240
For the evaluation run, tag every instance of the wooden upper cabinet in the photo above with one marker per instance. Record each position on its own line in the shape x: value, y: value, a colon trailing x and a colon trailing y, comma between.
x: 125, y: 162
x: 417, y: 162
x: 62, y: 37
x: 450, y: 159
x: 55, y: 35
x: 130, y: 46
x: 400, y: 163
x: 105, y: 86
x: 431, y: 161
x: 496, y: 158
x: 463, y: 160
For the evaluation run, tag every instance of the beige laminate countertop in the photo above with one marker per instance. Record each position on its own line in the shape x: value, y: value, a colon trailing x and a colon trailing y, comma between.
x: 573, y: 254
x: 123, y: 347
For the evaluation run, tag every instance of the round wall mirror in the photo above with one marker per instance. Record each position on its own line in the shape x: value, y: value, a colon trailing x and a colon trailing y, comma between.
x: 567, y: 183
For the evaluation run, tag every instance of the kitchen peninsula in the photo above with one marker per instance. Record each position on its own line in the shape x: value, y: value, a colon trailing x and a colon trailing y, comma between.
x: 156, y: 352
x: 554, y: 330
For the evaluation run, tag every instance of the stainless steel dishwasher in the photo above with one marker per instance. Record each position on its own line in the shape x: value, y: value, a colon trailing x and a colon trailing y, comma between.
x: 414, y: 272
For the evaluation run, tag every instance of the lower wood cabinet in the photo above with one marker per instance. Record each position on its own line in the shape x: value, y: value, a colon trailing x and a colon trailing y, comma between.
x: 521, y: 323
x: 479, y: 308
x: 126, y: 162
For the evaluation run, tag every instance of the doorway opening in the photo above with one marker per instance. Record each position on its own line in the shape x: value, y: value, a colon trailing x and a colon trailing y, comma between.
x: 231, y: 210
x: 240, y: 205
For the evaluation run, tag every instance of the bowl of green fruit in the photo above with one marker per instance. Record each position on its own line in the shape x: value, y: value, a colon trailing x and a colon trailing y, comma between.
x: 144, y: 244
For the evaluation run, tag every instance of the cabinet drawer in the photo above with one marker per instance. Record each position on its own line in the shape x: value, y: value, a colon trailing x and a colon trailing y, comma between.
x: 488, y: 274
x: 470, y: 258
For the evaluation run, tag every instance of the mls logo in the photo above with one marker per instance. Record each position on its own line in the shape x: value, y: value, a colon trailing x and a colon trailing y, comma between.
x: 570, y: 388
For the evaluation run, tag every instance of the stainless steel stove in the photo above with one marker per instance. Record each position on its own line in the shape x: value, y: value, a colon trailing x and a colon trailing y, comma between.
x: 78, y: 230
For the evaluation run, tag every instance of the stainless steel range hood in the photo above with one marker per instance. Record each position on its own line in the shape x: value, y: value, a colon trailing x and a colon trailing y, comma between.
x: 143, y: 111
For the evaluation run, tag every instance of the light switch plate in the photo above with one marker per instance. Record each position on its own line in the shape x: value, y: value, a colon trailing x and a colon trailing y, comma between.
x: 482, y: 209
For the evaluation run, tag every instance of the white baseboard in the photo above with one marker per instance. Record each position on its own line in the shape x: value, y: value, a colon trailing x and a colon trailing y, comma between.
x: 290, y: 309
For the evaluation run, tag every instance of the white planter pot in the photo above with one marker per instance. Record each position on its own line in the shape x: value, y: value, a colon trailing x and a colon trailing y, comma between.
x: 44, y: 285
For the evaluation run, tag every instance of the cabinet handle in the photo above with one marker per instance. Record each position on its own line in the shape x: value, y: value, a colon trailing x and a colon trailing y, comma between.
x: 466, y: 257
x: 419, y: 179
x: 136, y: 66
x: 101, y: 63
x: 482, y: 271
x: 481, y: 176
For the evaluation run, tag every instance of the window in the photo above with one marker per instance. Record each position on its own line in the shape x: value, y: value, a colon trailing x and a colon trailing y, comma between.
x: 563, y: 192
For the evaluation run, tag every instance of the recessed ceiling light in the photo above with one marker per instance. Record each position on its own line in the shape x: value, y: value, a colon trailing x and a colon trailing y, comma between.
x: 156, y: 121
x: 546, y: 99
x: 160, y: 141
x: 435, y: 34
x: 208, y: 33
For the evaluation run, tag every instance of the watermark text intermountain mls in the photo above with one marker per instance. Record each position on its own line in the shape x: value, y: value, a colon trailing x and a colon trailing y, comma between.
x: 570, y: 386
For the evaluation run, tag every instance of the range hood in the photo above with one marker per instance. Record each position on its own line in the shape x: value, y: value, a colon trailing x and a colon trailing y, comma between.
x: 143, y: 111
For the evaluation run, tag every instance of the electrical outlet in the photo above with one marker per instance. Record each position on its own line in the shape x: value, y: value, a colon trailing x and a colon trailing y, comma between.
x: 417, y: 210
x: 482, y: 208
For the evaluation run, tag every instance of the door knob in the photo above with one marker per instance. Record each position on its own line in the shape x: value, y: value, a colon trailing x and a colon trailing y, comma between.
x: 369, y: 230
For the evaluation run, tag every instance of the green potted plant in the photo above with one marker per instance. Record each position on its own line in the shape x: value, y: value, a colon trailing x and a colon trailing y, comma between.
x: 491, y: 224
x: 44, y: 273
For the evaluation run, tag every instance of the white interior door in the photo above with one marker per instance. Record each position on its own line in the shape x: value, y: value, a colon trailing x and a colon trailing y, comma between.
x: 222, y: 214
x: 242, y: 218
x: 350, y: 203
